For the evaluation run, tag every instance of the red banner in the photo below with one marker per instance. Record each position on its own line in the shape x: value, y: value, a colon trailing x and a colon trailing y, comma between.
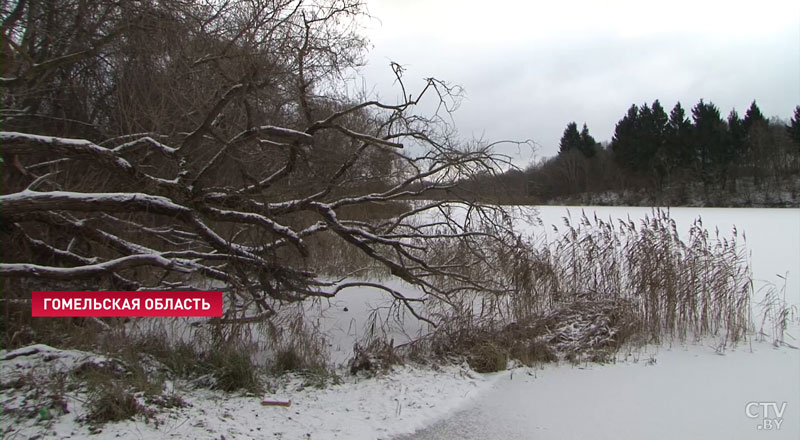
x: 121, y: 303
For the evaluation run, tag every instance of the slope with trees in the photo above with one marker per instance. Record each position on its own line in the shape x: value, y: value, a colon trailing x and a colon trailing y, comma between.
x: 675, y: 158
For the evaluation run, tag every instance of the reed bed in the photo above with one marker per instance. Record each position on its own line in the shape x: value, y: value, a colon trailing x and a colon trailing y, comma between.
x: 686, y: 288
x: 648, y: 280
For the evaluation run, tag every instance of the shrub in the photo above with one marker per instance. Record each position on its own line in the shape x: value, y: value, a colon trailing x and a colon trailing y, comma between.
x: 377, y: 356
x: 533, y: 352
x: 233, y: 369
x: 111, y: 403
x: 488, y: 357
x: 110, y: 397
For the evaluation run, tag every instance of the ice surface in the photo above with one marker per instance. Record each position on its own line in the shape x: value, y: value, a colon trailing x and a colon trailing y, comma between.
x: 680, y: 392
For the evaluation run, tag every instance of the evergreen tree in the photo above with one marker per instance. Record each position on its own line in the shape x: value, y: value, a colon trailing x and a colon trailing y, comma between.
x: 660, y: 118
x: 645, y: 125
x: 625, y: 139
x: 753, y: 117
x: 588, y: 144
x: 736, y: 134
x: 794, y: 126
x: 755, y: 150
x: 640, y: 140
x: 677, y: 137
x: 571, y: 140
x: 647, y: 135
x: 709, y: 140
x: 657, y: 156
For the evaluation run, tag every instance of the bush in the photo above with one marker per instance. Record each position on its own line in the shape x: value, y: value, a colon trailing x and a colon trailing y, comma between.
x: 111, y: 403
x: 233, y: 369
x: 377, y: 356
x: 287, y: 360
x: 488, y: 357
x: 533, y: 352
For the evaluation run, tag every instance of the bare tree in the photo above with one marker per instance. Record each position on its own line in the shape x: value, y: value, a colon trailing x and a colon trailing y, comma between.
x: 207, y: 140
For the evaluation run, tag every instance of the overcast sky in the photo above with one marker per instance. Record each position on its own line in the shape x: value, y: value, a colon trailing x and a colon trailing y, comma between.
x: 531, y: 67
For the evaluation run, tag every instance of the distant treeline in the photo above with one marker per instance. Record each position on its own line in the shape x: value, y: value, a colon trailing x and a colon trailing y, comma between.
x: 660, y: 153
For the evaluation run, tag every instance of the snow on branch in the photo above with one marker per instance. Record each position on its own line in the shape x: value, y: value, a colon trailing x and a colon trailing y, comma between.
x: 286, y: 134
x: 27, y: 201
x: 24, y: 143
x: 366, y: 138
x: 68, y: 273
x: 146, y: 140
x: 257, y: 219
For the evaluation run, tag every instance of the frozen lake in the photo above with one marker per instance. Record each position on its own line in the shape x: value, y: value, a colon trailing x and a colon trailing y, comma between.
x: 772, y: 239
x: 687, y: 392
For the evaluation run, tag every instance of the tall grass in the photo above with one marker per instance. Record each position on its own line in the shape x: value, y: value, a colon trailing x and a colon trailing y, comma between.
x: 643, y: 276
x: 694, y: 287
x: 776, y: 314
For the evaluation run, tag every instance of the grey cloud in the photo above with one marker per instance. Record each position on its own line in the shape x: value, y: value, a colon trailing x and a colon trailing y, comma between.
x: 532, y: 90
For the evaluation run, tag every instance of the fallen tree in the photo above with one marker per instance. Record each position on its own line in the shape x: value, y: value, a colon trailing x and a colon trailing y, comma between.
x: 157, y: 145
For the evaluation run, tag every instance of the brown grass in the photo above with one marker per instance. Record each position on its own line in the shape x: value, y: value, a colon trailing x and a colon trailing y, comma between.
x: 618, y: 282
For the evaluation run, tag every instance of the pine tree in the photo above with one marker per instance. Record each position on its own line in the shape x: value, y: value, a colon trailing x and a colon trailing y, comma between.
x: 625, y: 140
x: 794, y: 126
x: 571, y: 140
x: 679, y: 145
x: 709, y: 140
x: 658, y: 159
x: 648, y: 138
x: 646, y: 141
x: 660, y: 118
x: 753, y: 117
x: 588, y: 144
x: 755, y: 150
x: 736, y: 134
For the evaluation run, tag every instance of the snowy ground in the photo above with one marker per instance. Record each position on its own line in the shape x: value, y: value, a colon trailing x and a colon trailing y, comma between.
x: 684, y: 391
x: 358, y: 408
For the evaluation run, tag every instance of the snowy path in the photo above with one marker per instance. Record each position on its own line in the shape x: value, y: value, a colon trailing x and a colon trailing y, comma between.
x: 689, y: 393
